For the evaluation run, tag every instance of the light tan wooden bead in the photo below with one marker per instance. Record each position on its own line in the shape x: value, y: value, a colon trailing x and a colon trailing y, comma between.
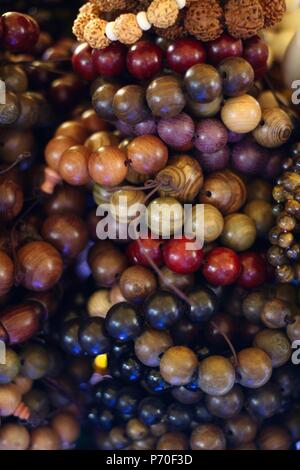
x: 241, y: 114
x: 165, y: 216
x: 210, y: 226
x: 275, y: 128
x: 125, y: 203
x: 99, y: 303
x: 261, y: 213
x: 115, y: 295
x: 239, y: 232
x: 267, y: 99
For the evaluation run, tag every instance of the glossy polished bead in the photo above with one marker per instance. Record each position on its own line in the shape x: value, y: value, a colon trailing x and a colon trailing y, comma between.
x: 254, y: 368
x: 138, y: 250
x: 20, y: 32
x: 162, y: 310
x: 73, y: 165
x: 144, y: 60
x: 165, y: 216
x: 150, y: 345
x: 20, y: 322
x: 6, y: 273
x: 177, y: 131
x: 92, y: 121
x: 165, y: 96
x: 256, y: 52
x: 147, y: 154
x: 261, y: 213
x: 221, y: 267
x: 107, y: 266
x: 241, y: 114
x: 55, y: 148
x: 275, y: 128
x: 129, y: 104
x: 276, y: 313
x: 240, y: 430
x: 177, y: 365
x: 82, y: 62
x: 253, y: 272
x: 203, y: 83
x: 107, y: 166
x: 264, y: 402
x: 102, y: 100
x: 73, y: 129
x: 212, y: 225
x: 226, y: 406
x: 179, y: 258
x: 223, y: 47
x: 204, y: 110
x: 64, y: 199
x: 172, y: 441
x: 101, y: 139
x: 239, y: 232
x: 238, y: 76
x: 216, y: 375
x: 41, y: 264
x: 92, y: 337
x: 136, y: 283
x: 274, y: 438
x: 123, y: 322
x: 10, y: 110
x: 111, y: 61
x: 184, y: 53
x: 207, y: 437
x: 172, y: 279
x: 204, y: 304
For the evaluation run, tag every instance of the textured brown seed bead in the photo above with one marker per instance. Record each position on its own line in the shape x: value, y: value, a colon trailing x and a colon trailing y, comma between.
x: 275, y: 128
x: 136, y: 429
x: 55, y: 148
x: 150, y: 345
x: 274, y: 438
x: 6, y: 273
x: 73, y: 165
x: 165, y: 96
x: 207, y: 437
x: 14, y: 436
x: 44, y: 438
x: 129, y: 104
x: 241, y: 114
x: 172, y: 441
x: 240, y: 429
x: 276, y: 313
x: 101, y: 139
x: 285, y: 273
x: 216, y: 375
x: 73, y: 129
x: 239, y: 232
x: 276, y: 344
x: 99, y: 303
x: 41, y: 265
x: 107, y: 166
x: 147, y: 154
x: 254, y: 367
x: 286, y: 222
x: 185, y: 175
x: 136, y: 283
x: 277, y: 256
x: 261, y: 213
x: 285, y: 240
x: 178, y: 365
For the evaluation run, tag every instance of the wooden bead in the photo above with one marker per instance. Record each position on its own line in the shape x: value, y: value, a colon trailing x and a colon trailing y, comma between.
x: 274, y: 437
x: 101, y: 139
x: 40, y: 264
x: 73, y: 129
x: 254, y: 368
x: 151, y: 345
x: 276, y: 344
x: 240, y: 429
x: 73, y: 165
x: 136, y: 429
x: 165, y: 216
x: 101, y: 195
x: 44, y: 438
x: 259, y: 189
x: 136, y: 283
x: 224, y: 190
x: 107, y: 166
x: 239, y: 232
x: 181, y: 281
x: 261, y: 213
x: 147, y: 154
x: 205, y: 110
x: 55, y: 148
x: 275, y: 128
x: 165, y: 96
x: 6, y: 273
x: 102, y: 100
x: 14, y: 436
x: 99, y: 303
x: 203, y: 83
x: 178, y: 365
x: 66, y: 199
x: 107, y: 267
x: 125, y: 203
x: 173, y: 441
x: 207, y: 437
x: 241, y: 114
x: 185, y: 175
x: 129, y: 104
x: 10, y: 398
x: 21, y: 321
x: 134, y: 177
x: 92, y: 121
x: 67, y: 427
x: 115, y: 295
x: 11, y: 199
x: 216, y: 375
x: 67, y: 233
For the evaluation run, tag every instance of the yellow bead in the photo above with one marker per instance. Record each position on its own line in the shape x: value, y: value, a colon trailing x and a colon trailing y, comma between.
x: 100, y: 363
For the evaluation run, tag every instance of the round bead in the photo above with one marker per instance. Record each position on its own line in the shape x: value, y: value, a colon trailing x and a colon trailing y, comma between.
x: 107, y: 166
x: 150, y: 345
x: 239, y: 232
x: 129, y: 104
x: 178, y: 365
x: 144, y: 60
x: 211, y: 136
x: 177, y: 131
x: 221, y: 267
x: 216, y: 375
x: 254, y: 368
x: 165, y: 216
x: 241, y: 114
x: 184, y: 53
x: 73, y: 165
x: 123, y: 322
x: 238, y: 76
x: 147, y: 154
x: 165, y: 96
x: 136, y: 283
x: 203, y: 83
x: 208, y: 437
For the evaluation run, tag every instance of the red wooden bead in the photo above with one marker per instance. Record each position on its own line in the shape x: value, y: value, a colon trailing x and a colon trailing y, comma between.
x: 144, y: 60
x: 222, y: 267
x: 111, y: 61
x: 254, y: 272
x: 82, y: 62
x: 184, y: 53
x: 21, y: 322
x: 152, y: 248
x: 179, y: 258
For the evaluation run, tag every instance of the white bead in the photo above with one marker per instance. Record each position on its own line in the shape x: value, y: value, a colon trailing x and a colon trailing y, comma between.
x: 142, y: 21
x: 181, y: 3
x: 110, y: 31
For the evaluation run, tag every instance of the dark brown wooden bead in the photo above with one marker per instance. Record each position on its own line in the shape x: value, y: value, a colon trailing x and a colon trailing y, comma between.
x: 261, y: 213
x: 147, y: 154
x: 15, y: 142
x: 178, y: 365
x: 10, y: 110
x: 185, y: 396
x: 118, y: 437
x: 11, y: 199
x: 240, y: 430
x: 66, y: 232
x: 14, y: 436
x: 107, y: 267
x: 239, y: 232
x: 44, y: 438
x: 29, y: 111
x: 274, y: 437
x: 55, y: 148
x: 285, y: 273
x: 181, y: 281
x: 66, y: 199
x: 73, y: 165
x: 129, y: 104
x: 6, y: 273
x: 165, y: 96
x: 150, y: 345
x: 253, y: 305
x: 102, y: 100
x: 254, y: 367
x: 107, y: 166
x: 276, y: 313
x: 259, y: 189
x: 172, y: 441
x: 22, y: 321
x: 276, y: 344
x: 74, y: 129
x: 92, y: 121
x: 40, y: 264
x: 136, y: 283
x: 207, y: 437
x: 15, y: 78
x: 226, y: 406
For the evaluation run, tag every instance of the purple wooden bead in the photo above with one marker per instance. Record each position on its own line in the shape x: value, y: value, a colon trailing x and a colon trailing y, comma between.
x: 250, y: 158
x: 233, y: 137
x: 211, y: 136
x: 124, y: 128
x: 177, y: 131
x: 273, y: 167
x: 214, y: 161
x: 146, y: 127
